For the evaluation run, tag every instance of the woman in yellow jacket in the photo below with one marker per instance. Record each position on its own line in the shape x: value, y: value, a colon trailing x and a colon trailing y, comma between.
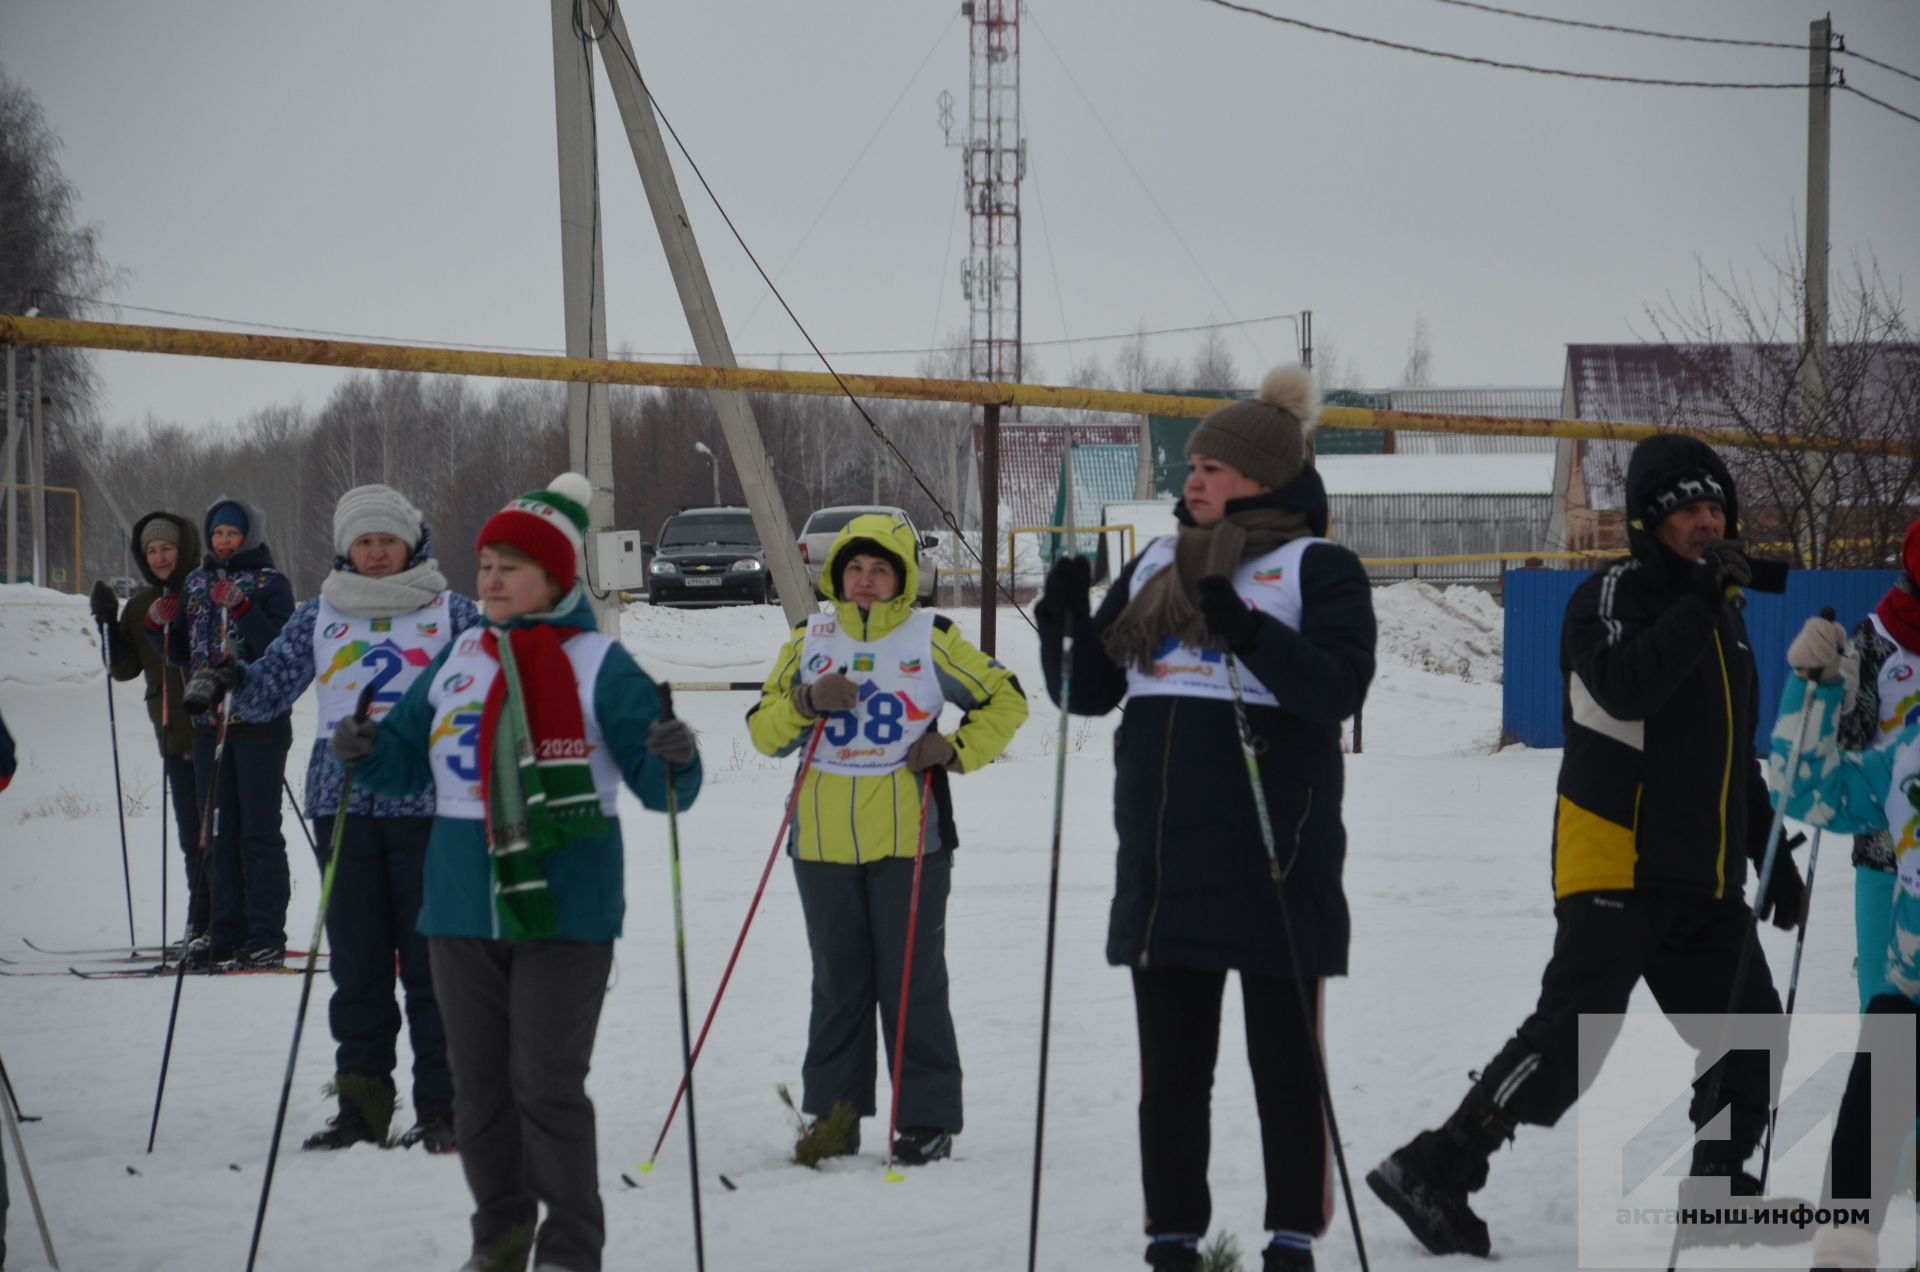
x: 873, y: 676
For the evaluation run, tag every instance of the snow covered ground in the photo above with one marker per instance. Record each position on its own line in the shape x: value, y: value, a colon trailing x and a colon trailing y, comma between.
x: 1447, y: 873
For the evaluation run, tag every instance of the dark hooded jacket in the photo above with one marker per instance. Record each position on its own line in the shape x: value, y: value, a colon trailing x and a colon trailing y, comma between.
x: 1193, y: 884
x: 132, y: 654
x: 1658, y: 784
x: 195, y: 633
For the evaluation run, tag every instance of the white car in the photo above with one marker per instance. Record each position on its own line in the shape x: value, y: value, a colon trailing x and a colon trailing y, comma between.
x: 825, y: 525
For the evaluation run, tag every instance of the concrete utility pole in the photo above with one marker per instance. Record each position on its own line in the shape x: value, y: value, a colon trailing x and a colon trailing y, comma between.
x: 710, y: 339
x: 589, y: 426
x: 1813, y: 362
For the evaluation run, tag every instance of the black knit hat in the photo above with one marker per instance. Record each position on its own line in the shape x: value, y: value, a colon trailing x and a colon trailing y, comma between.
x: 1668, y: 471
x: 864, y: 546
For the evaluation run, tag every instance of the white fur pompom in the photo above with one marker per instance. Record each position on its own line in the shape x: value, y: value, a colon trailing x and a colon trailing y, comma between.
x: 1291, y: 389
x: 573, y: 486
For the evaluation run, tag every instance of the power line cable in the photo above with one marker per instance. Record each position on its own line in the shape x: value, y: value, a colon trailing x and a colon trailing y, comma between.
x: 1840, y: 50
x: 1126, y: 159
x: 1622, y: 30
x: 1848, y: 88
x: 1053, y: 269
x: 946, y: 257
x: 848, y: 174
x: 1495, y: 63
x: 988, y: 575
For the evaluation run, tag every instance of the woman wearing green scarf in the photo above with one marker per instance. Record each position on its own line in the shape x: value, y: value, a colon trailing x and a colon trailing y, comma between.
x: 525, y: 727
x: 1249, y: 577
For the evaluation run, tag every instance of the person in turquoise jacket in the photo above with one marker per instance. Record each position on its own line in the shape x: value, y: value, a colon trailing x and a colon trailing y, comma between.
x: 525, y: 728
x: 1860, y: 793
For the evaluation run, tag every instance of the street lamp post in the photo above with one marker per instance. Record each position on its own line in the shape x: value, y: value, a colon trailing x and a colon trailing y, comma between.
x: 713, y: 461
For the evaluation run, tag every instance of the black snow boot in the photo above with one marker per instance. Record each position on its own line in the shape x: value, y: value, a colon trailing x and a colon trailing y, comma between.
x: 433, y: 1132
x: 919, y: 1145
x: 1173, y: 1256
x: 1285, y: 1259
x: 343, y: 1131
x: 1700, y: 1189
x: 1426, y: 1182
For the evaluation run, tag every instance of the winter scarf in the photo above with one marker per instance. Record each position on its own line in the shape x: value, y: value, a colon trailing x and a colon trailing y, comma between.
x: 1168, y: 603
x: 537, y: 786
x: 357, y: 595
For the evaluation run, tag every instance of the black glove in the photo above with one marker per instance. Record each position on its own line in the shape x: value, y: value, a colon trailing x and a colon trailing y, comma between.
x: 1786, y: 900
x: 1069, y: 586
x: 1228, y: 617
x: 210, y: 684
x: 106, y: 606
x: 1721, y: 570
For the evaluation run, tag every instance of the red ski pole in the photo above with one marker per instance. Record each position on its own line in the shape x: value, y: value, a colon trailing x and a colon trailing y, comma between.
x: 906, y: 976
x: 773, y: 854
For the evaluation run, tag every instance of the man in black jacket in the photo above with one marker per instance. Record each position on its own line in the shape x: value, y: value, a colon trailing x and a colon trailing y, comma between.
x: 1660, y: 803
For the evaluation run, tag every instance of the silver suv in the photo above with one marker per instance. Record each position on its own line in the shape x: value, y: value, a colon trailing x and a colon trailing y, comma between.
x: 825, y: 525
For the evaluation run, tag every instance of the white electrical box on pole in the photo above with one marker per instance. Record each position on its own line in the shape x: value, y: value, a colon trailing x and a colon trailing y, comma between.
x: 589, y: 423
x: 710, y: 339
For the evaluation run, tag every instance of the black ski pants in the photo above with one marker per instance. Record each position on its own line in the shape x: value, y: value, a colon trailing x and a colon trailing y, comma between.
x: 857, y: 933
x: 521, y: 1018
x: 1687, y: 948
x: 249, y: 868
x: 188, y: 797
x: 370, y: 931
x: 1178, y: 1012
x: 1856, y: 1172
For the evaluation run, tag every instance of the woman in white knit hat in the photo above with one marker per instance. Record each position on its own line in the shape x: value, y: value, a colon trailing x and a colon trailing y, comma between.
x: 382, y: 615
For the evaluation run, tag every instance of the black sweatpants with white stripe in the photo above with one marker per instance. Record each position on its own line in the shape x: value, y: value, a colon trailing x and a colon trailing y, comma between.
x: 1686, y: 947
x: 1178, y: 1012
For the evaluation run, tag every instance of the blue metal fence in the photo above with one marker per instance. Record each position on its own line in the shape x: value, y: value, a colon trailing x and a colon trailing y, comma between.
x: 1536, y: 600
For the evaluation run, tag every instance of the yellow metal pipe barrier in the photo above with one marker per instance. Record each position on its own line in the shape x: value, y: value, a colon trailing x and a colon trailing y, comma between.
x: 126, y: 338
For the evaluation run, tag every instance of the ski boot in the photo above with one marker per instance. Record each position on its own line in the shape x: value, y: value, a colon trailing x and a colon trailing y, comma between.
x: 919, y: 1145
x: 266, y: 958
x: 1711, y: 1171
x: 343, y: 1131
x: 433, y: 1132
x: 1174, y: 1254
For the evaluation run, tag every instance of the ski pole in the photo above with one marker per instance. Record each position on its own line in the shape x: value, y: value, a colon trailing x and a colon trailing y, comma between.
x: 906, y: 977
x: 1752, y: 934
x: 26, y: 1173
x: 299, y: 815
x: 1308, y: 1017
x: 1793, y: 991
x: 773, y: 854
x: 1053, y: 878
x: 13, y: 1097
x: 166, y: 705
x: 306, y: 985
x: 119, y: 800
x: 686, y: 1027
x: 208, y: 837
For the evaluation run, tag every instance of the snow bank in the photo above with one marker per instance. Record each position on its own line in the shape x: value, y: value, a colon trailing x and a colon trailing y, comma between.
x: 46, y: 637
x: 1452, y: 632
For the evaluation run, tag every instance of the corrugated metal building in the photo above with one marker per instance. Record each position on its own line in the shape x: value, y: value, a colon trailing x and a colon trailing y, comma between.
x: 1502, y: 402
x: 1387, y: 506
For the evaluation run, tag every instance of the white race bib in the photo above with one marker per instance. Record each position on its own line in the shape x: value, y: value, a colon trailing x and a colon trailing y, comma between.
x: 1269, y: 583
x: 389, y: 653
x: 900, y: 696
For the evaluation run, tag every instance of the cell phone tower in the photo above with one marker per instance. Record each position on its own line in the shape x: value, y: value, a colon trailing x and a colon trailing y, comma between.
x: 994, y: 155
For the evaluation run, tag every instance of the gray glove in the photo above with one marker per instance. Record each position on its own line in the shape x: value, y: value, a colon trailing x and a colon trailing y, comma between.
x: 353, y: 739
x: 832, y: 692
x: 672, y: 741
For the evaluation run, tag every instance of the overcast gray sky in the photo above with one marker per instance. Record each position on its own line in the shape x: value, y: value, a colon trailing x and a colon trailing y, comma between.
x: 388, y: 168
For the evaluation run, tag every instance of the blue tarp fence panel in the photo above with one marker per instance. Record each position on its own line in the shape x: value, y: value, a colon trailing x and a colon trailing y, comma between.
x: 1537, y: 599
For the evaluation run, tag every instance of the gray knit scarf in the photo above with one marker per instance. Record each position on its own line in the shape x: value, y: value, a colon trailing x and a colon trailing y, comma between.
x: 1168, y: 603
x: 403, y: 593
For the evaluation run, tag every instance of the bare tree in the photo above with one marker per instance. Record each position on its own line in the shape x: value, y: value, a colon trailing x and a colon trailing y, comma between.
x: 1815, y: 479
x: 1418, y: 371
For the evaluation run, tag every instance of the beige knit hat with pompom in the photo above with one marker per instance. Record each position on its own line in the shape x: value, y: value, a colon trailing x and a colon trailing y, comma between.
x: 1264, y: 437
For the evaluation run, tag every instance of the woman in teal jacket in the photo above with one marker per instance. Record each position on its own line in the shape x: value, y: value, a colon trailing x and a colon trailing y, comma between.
x: 525, y: 727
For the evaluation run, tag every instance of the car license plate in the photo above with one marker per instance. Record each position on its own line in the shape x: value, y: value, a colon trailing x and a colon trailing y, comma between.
x: 703, y: 582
